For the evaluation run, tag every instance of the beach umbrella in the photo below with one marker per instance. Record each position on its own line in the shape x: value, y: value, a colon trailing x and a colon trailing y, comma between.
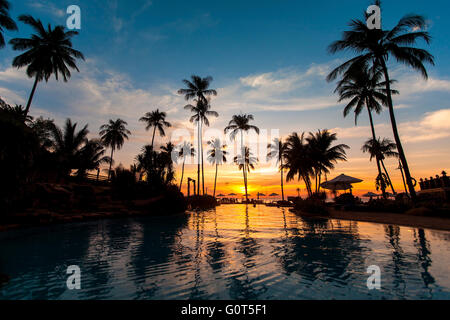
x: 273, y: 195
x: 261, y: 194
x: 232, y: 194
x: 221, y: 195
x: 341, y: 182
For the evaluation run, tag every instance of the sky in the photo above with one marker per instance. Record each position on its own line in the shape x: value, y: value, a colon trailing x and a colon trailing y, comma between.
x: 267, y: 58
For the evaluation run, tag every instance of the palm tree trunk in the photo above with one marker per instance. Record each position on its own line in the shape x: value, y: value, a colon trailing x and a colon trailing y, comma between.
x: 110, y: 164
x: 203, y: 171
x: 403, y: 177
x: 245, y: 183
x: 374, y: 137
x: 30, y: 98
x: 153, y: 137
x: 182, y: 173
x: 215, y: 181
x: 389, y: 178
x: 198, y: 158
x: 401, y: 153
x: 244, y: 164
x: 282, y: 186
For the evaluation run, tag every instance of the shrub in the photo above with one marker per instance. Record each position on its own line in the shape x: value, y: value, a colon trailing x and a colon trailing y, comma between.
x: 312, y: 206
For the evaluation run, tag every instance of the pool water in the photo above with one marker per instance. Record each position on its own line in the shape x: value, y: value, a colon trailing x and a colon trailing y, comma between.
x: 232, y: 252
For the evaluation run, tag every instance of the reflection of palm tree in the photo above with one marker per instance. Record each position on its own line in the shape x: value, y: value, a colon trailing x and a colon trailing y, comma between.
x: 201, y: 111
x: 49, y: 52
x: 377, y: 46
x: 381, y: 149
x: 217, y: 155
x: 185, y: 150
x: 246, y: 161
x: 365, y: 89
x: 423, y: 256
x: 398, y: 259
x: 113, y: 135
x: 157, y: 120
x: 278, y: 151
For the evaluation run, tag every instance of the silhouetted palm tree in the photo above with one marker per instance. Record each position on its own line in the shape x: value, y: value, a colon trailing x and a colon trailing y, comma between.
x: 197, y: 88
x: 67, y: 144
x: 48, y: 52
x: 91, y: 156
x: 297, y: 160
x: 185, y: 150
x: 376, y: 46
x: 201, y: 110
x: 157, y: 120
x: 240, y: 124
x: 113, y: 135
x: 217, y: 155
x: 365, y: 88
x: 380, y: 150
x: 246, y: 161
x: 277, y: 150
x: 323, y: 154
x: 5, y: 21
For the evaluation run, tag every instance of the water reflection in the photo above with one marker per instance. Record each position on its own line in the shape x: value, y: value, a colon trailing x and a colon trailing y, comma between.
x: 232, y: 252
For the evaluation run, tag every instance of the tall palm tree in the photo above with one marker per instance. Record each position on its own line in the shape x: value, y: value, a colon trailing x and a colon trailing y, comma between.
x: 185, y: 150
x: 277, y: 150
x: 5, y: 20
x: 246, y: 162
x: 380, y: 150
x: 201, y: 110
x: 91, y: 156
x: 113, y: 135
x: 157, y: 120
x: 376, y: 46
x: 365, y: 88
x: 47, y: 52
x: 323, y: 154
x: 217, y: 155
x: 239, y: 124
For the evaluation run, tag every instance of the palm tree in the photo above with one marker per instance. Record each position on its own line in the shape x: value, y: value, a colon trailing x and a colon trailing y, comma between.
x: 201, y: 111
x: 241, y: 123
x: 217, y: 155
x: 91, y: 156
x: 157, y: 120
x: 67, y: 144
x: 380, y: 150
x: 365, y: 89
x: 5, y: 20
x: 185, y: 150
x: 323, y: 154
x: 246, y: 161
x: 48, y: 52
x: 278, y: 151
x: 197, y: 88
x: 113, y: 134
x: 297, y: 160
x: 376, y: 46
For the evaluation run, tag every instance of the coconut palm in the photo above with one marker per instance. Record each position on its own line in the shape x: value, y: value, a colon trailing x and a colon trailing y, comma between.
x: 323, y: 154
x: 297, y: 160
x: 67, y: 144
x: 246, y: 162
x: 47, y: 52
x: 240, y: 124
x: 277, y: 150
x: 197, y: 87
x: 365, y: 88
x: 5, y: 21
x: 185, y: 150
x: 201, y: 110
x: 91, y: 156
x: 375, y: 47
x: 113, y: 135
x: 217, y: 155
x: 380, y: 150
x: 157, y: 120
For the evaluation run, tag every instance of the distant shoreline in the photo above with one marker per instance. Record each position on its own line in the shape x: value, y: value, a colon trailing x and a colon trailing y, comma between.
x: 399, y: 219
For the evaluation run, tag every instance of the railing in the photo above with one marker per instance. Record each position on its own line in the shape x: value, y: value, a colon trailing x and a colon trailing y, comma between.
x: 435, y: 183
x: 93, y: 177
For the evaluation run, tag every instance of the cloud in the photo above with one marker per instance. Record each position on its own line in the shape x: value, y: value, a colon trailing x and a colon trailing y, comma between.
x: 47, y: 7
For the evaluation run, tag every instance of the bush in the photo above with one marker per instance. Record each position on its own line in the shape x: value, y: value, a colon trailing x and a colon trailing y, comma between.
x: 346, y: 199
x: 202, y: 202
x: 312, y: 206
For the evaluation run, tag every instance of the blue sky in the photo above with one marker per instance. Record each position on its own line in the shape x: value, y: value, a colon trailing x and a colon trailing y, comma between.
x: 267, y: 58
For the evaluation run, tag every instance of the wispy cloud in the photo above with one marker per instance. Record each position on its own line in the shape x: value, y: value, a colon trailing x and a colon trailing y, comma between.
x: 47, y: 7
